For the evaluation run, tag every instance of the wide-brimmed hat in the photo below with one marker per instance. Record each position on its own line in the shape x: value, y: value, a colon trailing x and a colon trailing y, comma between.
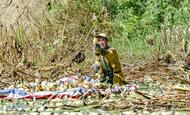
x: 104, y: 35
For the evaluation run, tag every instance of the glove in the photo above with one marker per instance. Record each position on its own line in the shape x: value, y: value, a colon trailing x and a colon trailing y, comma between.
x: 97, y: 49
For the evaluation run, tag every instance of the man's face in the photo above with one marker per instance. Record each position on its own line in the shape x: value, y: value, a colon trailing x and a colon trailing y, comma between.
x: 103, y: 42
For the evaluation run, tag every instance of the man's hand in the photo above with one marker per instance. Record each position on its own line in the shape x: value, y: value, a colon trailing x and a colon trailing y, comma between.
x: 97, y: 46
x: 97, y: 49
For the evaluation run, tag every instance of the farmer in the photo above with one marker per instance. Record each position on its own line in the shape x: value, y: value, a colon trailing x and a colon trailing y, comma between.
x: 107, y: 66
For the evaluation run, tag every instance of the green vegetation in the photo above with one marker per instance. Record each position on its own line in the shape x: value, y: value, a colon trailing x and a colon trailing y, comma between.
x: 136, y: 20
